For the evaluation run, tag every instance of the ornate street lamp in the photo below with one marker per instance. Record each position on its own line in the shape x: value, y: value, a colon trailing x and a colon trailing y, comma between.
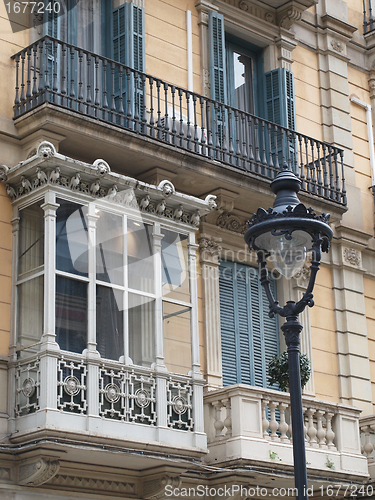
x: 284, y: 235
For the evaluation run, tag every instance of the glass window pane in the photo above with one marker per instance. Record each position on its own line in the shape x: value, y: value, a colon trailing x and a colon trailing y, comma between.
x: 31, y: 241
x: 109, y: 322
x: 174, y: 261
x: 140, y: 256
x: 30, y: 311
x: 71, y: 238
x: 141, y: 329
x: 109, y: 248
x: 177, y: 337
x: 71, y: 314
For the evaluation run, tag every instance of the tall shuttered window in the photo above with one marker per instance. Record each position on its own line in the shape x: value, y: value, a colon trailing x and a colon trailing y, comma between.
x: 249, y: 338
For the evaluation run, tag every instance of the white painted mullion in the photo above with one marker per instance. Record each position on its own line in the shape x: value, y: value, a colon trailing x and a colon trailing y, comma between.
x: 50, y: 207
x: 159, y: 335
x: 125, y: 297
x: 91, y: 291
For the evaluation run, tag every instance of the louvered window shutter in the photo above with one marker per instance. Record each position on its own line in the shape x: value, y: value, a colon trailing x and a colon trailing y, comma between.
x: 249, y: 338
x: 119, y: 34
x: 280, y: 109
x: 136, y: 38
x: 228, y: 314
x: 217, y: 57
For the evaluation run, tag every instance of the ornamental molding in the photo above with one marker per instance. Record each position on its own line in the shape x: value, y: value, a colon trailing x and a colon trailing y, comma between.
x: 231, y: 222
x: 209, y: 248
x: 337, y: 46
x: 97, y: 484
x: 49, y: 168
x: 155, y: 488
x: 288, y: 15
x: 352, y: 256
x: 302, y: 277
x: 38, y: 472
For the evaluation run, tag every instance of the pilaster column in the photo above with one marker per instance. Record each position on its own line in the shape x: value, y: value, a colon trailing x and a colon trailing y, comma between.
x: 210, y: 248
x: 350, y: 314
x: 15, y: 221
x: 203, y: 7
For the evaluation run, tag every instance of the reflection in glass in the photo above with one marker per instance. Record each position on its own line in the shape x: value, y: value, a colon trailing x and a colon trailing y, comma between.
x: 243, y: 82
x: 141, y: 329
x: 140, y: 257
x: 30, y: 311
x: 174, y: 260
x: 71, y: 238
x: 109, y: 249
x: 109, y: 322
x: 31, y: 241
x: 71, y: 314
x: 176, y: 324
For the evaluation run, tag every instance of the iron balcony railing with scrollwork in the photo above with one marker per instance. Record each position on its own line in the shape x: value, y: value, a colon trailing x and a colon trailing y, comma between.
x: 50, y: 71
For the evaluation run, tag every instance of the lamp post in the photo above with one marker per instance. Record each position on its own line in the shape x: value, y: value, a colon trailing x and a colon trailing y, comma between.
x: 285, y: 234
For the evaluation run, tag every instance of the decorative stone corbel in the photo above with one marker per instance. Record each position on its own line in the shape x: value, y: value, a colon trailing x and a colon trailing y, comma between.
x: 288, y: 14
x: 231, y: 222
x: 155, y: 488
x: 3, y: 173
x: 209, y: 248
x: 37, y: 472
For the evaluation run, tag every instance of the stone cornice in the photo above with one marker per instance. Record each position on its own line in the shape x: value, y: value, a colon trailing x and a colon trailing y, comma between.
x: 96, y: 181
x: 340, y: 27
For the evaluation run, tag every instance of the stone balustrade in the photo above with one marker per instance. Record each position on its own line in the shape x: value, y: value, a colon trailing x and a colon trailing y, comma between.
x: 246, y: 422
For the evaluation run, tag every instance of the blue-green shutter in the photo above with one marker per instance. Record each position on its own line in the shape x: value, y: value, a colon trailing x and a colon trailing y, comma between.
x: 217, y: 57
x: 280, y: 106
x: 136, y: 57
x: 119, y: 34
x: 280, y: 109
x: 249, y: 338
x: 228, y: 314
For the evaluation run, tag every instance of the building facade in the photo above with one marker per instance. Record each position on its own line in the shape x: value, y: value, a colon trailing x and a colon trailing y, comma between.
x: 137, y: 138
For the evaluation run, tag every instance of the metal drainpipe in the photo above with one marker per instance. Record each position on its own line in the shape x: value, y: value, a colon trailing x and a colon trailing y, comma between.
x: 189, y: 39
x: 370, y: 137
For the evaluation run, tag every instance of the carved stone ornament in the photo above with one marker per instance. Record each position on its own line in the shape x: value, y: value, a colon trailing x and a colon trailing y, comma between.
x: 209, y: 248
x: 243, y: 6
x: 337, y: 46
x: 38, y: 472
x: 3, y: 173
x: 352, y: 256
x: 104, y: 485
x: 46, y: 150
x: 287, y: 17
x: 102, y: 167
x: 303, y: 275
x: 155, y: 488
x: 180, y: 405
x: 167, y: 187
x: 231, y: 222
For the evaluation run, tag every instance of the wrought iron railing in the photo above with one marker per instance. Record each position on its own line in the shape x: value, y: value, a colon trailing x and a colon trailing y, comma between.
x: 95, y: 86
x: 368, y: 20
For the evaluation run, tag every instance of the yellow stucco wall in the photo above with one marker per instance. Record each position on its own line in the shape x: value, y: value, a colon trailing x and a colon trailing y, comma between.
x: 358, y: 86
x: 166, y: 41
x: 307, y: 92
x: 323, y: 337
